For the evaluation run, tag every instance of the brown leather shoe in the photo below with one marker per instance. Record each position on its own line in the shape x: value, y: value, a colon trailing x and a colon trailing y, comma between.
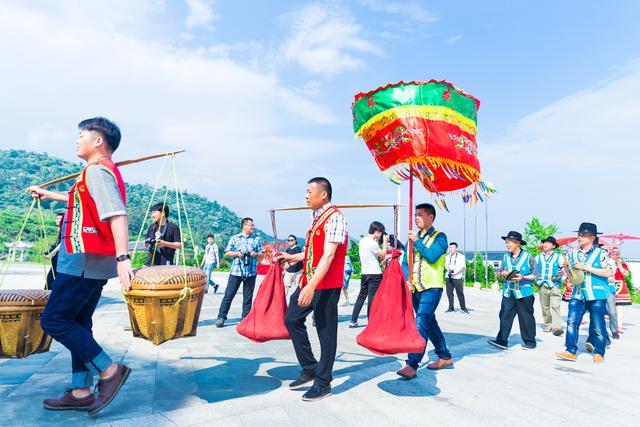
x: 69, y: 402
x: 440, y: 364
x: 565, y: 355
x: 107, y: 389
x: 597, y: 358
x: 408, y: 373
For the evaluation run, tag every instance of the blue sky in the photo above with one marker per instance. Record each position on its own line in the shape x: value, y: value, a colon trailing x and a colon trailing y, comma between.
x: 259, y: 93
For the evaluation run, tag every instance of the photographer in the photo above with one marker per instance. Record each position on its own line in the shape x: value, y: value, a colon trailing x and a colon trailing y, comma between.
x: 163, y: 238
x: 371, y: 274
x: 455, y: 263
x: 244, y: 248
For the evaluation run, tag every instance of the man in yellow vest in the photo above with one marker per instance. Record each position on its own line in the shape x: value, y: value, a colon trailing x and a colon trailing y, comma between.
x: 427, y: 283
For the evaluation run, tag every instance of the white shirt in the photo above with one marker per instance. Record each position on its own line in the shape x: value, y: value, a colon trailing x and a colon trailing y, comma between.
x: 369, y: 250
x: 455, y: 263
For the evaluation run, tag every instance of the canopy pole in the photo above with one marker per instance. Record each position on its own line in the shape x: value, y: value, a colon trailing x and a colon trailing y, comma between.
x: 486, y: 242
x: 397, y: 217
x: 475, y: 243
x: 410, y: 225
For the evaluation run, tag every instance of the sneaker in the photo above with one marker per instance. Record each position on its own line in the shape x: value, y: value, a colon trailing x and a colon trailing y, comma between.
x: 449, y: 310
x: 69, y: 402
x: 557, y: 332
x: 302, y: 381
x: 565, y: 355
x: 353, y: 324
x: 109, y: 388
x: 497, y: 344
x: 615, y: 336
x: 528, y: 347
x: 219, y: 322
x: 598, y: 358
x: 407, y: 372
x: 589, y: 347
x: 464, y: 310
x: 316, y: 393
x: 440, y: 364
x: 547, y: 329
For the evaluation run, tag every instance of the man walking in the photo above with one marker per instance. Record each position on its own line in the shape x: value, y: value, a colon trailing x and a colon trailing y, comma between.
x: 455, y: 263
x: 244, y: 248
x: 371, y: 273
x: 550, y: 269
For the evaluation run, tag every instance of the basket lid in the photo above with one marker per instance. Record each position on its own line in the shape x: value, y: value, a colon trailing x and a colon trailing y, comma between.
x: 24, y: 297
x: 167, y: 277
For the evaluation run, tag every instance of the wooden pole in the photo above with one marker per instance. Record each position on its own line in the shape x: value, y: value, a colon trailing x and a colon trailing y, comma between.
x: 410, y: 226
x: 122, y: 163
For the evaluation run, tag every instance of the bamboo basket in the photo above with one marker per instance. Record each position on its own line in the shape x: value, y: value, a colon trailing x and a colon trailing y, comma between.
x: 152, y: 300
x: 20, y: 331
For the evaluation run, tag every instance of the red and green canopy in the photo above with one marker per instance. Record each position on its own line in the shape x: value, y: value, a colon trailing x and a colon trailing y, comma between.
x: 425, y: 128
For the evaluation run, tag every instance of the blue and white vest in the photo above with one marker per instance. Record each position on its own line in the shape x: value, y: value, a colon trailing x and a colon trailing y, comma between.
x: 521, y: 289
x: 594, y: 287
x: 549, y: 269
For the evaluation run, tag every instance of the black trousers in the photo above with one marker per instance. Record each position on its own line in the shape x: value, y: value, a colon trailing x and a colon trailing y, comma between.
x: 459, y: 287
x: 369, y: 284
x: 524, y: 309
x: 233, y: 284
x: 325, y: 310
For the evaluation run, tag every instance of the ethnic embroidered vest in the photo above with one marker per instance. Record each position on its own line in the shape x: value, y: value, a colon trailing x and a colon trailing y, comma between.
x: 549, y: 267
x: 521, y: 289
x: 315, y: 249
x: 594, y: 287
x: 425, y: 275
x: 84, y: 231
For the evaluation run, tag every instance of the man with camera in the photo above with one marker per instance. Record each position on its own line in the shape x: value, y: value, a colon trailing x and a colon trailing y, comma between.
x: 163, y: 237
x: 371, y: 274
x: 244, y: 248
x: 455, y: 263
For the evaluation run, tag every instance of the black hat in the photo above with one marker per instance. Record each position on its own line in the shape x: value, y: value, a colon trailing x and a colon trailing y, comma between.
x: 514, y: 235
x: 588, y: 227
x: 551, y: 240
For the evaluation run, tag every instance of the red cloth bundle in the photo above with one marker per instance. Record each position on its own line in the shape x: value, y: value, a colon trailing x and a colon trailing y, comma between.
x: 265, y: 321
x: 392, y: 325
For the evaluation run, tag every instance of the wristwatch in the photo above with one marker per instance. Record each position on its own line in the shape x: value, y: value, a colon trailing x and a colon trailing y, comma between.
x: 121, y: 258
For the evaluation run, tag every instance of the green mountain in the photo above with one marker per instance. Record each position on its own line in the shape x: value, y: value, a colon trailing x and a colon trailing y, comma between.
x: 20, y: 169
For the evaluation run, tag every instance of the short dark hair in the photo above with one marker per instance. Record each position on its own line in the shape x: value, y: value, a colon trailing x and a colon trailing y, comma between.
x: 427, y: 207
x: 106, y: 128
x: 211, y: 235
x: 323, y: 183
x: 291, y: 236
x: 453, y: 244
x: 60, y: 214
x: 246, y: 220
x: 376, y: 226
x: 161, y: 207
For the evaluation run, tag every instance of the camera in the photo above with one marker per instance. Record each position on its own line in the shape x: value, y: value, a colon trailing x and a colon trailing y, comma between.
x: 150, y: 244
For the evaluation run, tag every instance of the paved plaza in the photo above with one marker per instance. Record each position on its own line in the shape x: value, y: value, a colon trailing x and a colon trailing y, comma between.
x: 221, y: 378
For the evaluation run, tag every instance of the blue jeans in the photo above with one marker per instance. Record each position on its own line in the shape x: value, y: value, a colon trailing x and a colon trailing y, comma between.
x: 596, y: 309
x: 425, y: 304
x: 67, y: 319
x: 208, y: 270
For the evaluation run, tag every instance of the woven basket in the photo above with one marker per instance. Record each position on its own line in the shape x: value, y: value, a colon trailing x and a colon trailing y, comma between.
x: 20, y: 331
x: 152, y: 301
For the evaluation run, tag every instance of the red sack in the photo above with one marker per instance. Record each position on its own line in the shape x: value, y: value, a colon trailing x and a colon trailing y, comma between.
x: 265, y: 321
x: 392, y: 325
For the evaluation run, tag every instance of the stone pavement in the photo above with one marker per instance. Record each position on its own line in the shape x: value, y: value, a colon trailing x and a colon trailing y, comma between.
x: 221, y: 378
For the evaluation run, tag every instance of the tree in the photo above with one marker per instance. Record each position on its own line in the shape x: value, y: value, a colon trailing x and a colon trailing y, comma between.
x: 535, y: 231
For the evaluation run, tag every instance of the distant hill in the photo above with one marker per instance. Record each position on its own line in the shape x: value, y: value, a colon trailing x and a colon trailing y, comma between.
x: 20, y: 169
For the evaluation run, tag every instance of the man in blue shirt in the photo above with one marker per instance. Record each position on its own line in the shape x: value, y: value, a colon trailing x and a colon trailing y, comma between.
x: 244, y: 248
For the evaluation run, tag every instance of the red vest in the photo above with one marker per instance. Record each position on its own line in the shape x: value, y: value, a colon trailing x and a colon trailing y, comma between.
x: 84, y: 231
x: 315, y: 249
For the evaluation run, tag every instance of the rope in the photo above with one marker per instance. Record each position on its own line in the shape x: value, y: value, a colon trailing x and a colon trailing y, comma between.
x: 186, y: 291
x: 146, y: 215
x: 46, y: 242
x: 5, y: 266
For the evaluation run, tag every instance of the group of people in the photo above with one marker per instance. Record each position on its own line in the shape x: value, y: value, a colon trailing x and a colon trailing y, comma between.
x: 94, y: 248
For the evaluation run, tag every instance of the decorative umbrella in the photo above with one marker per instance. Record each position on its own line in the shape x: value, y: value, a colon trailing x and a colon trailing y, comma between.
x: 619, y: 238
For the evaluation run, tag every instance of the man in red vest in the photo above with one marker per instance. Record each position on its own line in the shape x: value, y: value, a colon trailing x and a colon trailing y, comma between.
x: 319, y: 291
x: 94, y: 248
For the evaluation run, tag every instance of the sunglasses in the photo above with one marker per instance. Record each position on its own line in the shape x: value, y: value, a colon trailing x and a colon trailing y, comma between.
x: 290, y: 240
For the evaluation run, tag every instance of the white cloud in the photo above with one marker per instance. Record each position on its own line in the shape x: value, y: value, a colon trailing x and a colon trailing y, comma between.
x: 236, y: 123
x: 324, y: 38
x: 201, y: 14
x: 572, y: 161
x: 408, y: 10
x: 455, y: 39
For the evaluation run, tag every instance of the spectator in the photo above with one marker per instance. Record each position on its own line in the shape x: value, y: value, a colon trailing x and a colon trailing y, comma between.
x: 210, y: 261
x: 293, y: 270
x: 163, y: 237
